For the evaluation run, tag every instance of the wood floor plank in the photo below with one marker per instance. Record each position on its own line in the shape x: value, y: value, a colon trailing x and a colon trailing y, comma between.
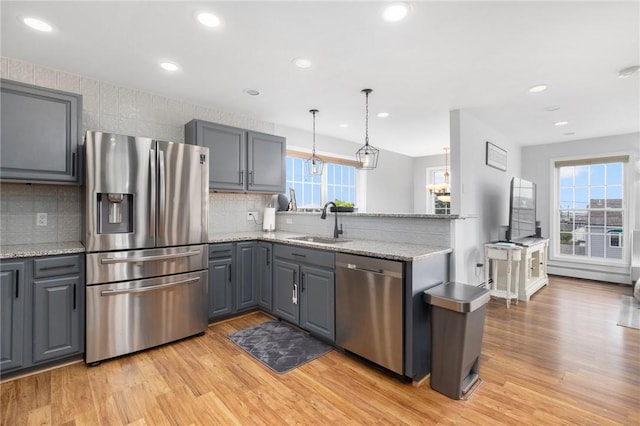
x: 558, y: 359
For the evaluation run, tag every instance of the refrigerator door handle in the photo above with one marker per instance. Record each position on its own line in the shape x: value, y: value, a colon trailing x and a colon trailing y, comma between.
x: 161, y: 192
x: 148, y: 288
x: 108, y: 260
x: 152, y: 194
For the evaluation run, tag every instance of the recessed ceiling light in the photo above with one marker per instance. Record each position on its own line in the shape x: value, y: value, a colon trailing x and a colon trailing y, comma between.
x: 395, y: 12
x: 552, y: 108
x: 252, y: 92
x: 37, y: 24
x: 343, y: 125
x: 208, y: 19
x: 538, y: 88
x: 383, y: 114
x: 561, y: 123
x: 169, y: 66
x: 302, y: 62
x: 627, y: 72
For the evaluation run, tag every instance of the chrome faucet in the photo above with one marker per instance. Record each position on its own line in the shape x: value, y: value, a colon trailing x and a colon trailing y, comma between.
x: 336, y: 231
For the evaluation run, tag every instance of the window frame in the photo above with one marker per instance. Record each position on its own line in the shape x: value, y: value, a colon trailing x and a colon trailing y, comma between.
x: 324, y: 179
x: 626, y: 158
x: 431, y: 200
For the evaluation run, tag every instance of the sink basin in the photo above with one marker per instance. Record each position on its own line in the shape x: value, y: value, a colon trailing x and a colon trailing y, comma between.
x: 319, y: 240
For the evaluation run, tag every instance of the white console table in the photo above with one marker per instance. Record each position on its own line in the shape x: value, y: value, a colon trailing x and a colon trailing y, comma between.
x: 530, y: 273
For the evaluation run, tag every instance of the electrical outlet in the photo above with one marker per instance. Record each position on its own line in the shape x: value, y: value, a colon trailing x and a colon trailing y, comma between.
x: 252, y: 216
x: 41, y: 219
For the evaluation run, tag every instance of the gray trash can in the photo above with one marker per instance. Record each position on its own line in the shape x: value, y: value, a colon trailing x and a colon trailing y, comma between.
x: 457, y: 323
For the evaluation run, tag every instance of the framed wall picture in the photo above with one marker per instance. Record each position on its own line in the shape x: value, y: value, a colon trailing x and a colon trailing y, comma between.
x: 496, y: 157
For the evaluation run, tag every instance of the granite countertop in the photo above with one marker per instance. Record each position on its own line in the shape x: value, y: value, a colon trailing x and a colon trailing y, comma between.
x: 381, y: 249
x: 13, y: 251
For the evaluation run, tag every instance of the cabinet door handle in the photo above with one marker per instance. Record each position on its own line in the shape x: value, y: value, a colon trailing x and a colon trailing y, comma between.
x: 298, y: 255
x: 73, y: 164
x: 17, y: 284
x: 241, y: 177
x: 268, y: 255
x: 295, y: 294
x: 302, y: 283
x: 250, y: 177
x: 229, y: 267
x: 74, y: 297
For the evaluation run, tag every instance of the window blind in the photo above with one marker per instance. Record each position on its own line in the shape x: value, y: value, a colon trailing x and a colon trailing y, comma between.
x: 589, y: 161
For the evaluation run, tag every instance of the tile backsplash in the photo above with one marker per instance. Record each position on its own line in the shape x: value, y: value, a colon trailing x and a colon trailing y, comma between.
x: 20, y: 203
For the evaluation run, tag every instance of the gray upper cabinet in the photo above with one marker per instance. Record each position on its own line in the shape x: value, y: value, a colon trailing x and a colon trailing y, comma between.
x: 266, y: 156
x: 12, y: 306
x: 240, y: 160
x: 41, y: 134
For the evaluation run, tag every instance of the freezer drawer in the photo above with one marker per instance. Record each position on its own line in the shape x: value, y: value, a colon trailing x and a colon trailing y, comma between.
x: 129, y: 265
x: 134, y: 315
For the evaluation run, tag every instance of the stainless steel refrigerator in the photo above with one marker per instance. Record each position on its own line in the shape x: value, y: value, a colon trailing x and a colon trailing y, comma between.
x: 145, y: 230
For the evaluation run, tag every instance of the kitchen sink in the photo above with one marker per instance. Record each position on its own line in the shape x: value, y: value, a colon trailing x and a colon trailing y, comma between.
x: 319, y: 240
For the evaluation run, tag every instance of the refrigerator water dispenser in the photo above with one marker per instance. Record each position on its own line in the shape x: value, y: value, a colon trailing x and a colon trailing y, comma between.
x: 115, y: 213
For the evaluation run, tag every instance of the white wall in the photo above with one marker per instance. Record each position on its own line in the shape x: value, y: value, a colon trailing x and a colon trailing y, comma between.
x: 389, y: 188
x: 477, y: 190
x: 539, y: 168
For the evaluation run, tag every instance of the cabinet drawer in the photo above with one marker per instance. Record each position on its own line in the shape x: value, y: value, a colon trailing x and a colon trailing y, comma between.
x: 56, y: 266
x: 305, y: 255
x: 217, y: 251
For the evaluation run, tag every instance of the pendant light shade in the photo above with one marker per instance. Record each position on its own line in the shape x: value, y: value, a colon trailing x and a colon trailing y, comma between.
x: 314, y: 165
x: 367, y: 156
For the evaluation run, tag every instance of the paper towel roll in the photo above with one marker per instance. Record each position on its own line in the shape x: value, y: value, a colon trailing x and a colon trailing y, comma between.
x: 269, y: 219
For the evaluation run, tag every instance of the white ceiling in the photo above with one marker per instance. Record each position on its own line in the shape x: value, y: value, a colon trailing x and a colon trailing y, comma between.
x: 479, y: 56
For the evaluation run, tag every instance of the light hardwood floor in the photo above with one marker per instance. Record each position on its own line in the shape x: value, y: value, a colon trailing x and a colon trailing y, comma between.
x: 558, y: 359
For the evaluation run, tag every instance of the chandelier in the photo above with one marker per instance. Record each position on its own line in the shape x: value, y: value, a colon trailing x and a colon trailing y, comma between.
x: 442, y: 191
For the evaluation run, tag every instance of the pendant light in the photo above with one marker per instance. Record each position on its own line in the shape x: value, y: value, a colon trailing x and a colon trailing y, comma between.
x: 314, y: 165
x: 367, y: 156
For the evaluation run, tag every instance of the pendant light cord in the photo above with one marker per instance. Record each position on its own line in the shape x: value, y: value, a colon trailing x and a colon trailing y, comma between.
x: 314, y: 133
x: 366, y: 119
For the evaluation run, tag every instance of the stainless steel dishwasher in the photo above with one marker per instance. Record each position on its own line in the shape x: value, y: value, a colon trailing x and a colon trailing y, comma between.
x: 369, y: 309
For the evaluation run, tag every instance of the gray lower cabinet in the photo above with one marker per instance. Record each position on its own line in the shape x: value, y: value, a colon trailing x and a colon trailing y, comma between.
x: 56, y: 318
x: 240, y: 160
x: 221, y: 286
x: 42, y: 321
x: 246, y: 271
x: 232, y: 278
x: 12, y: 314
x: 264, y: 276
x: 304, y: 288
x: 41, y: 134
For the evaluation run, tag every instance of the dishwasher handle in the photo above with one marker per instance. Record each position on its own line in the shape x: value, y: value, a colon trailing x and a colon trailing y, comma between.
x: 359, y: 268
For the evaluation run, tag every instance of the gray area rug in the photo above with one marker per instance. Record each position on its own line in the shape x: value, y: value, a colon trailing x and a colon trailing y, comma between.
x: 279, y: 346
x: 629, y: 313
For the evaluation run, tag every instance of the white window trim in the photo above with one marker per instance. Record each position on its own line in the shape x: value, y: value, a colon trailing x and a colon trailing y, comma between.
x: 628, y: 207
x: 430, y: 201
x: 361, y: 177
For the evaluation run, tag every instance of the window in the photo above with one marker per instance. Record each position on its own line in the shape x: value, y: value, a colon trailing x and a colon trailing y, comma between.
x: 435, y: 206
x: 338, y: 182
x: 591, y: 208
